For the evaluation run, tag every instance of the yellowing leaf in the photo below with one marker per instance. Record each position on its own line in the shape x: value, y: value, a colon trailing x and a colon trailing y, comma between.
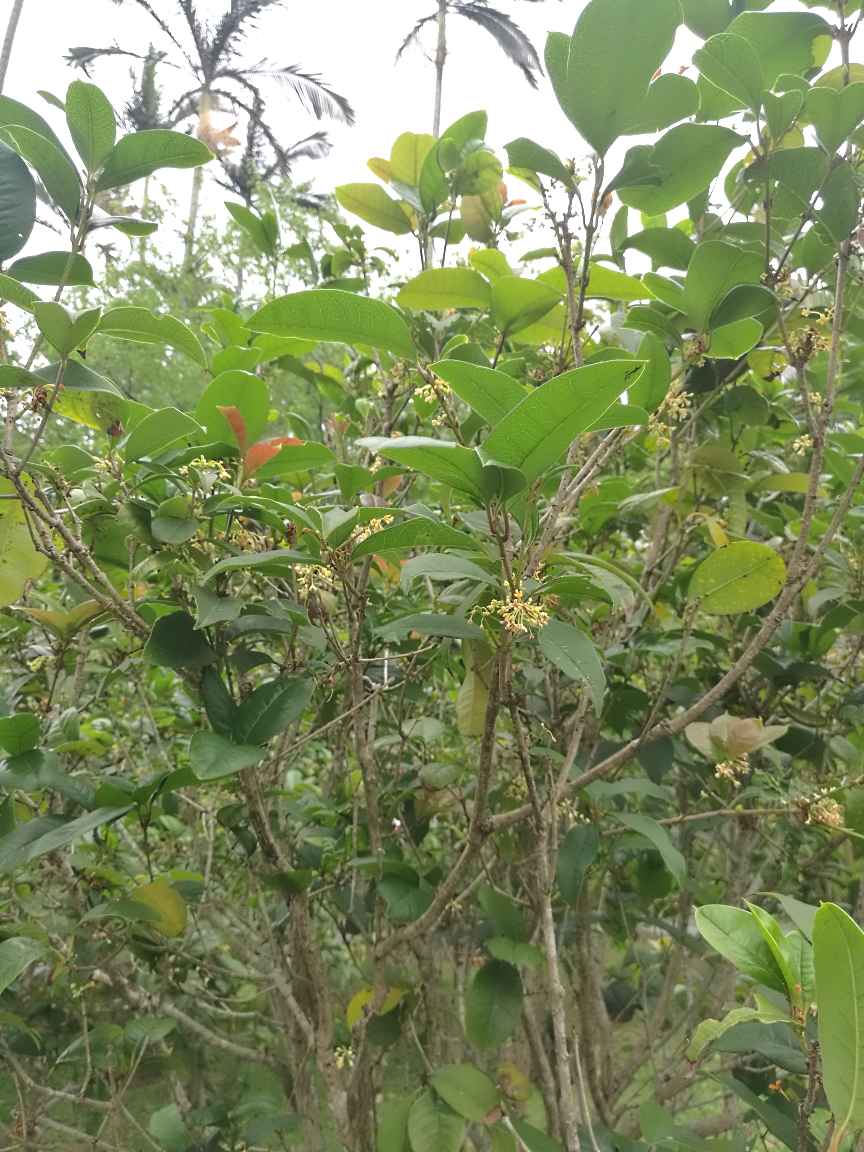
x: 359, y: 1001
x: 165, y: 900
x: 19, y: 560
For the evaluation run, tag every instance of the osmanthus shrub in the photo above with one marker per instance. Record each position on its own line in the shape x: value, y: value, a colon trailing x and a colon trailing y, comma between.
x: 466, y: 771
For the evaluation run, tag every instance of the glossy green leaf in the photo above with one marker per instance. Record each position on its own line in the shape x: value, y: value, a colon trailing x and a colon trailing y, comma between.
x: 732, y: 340
x: 468, y: 1091
x: 212, y: 756
x: 143, y: 153
x: 735, y: 934
x: 525, y: 153
x: 328, y: 314
x: 651, y: 387
x: 11, y: 290
x: 546, y: 422
x: 738, y: 578
x: 534, y: 1139
x: 440, y: 288
x: 670, y: 98
x: 742, y: 303
x: 433, y: 1126
x: 654, y: 321
x: 261, y: 231
x: 493, y: 1004
x: 784, y: 42
x: 835, y: 115
x: 492, y: 394
x: 146, y: 327
x: 17, y: 203
x: 19, y: 733
x: 731, y: 64
x: 478, y: 173
x: 448, y: 463
x: 86, y: 397
x: 16, y: 954
x: 841, y: 201
x: 601, y: 75
x: 371, y: 203
x: 838, y: 956
x: 419, y: 532
x: 13, y: 112
x: 717, y: 267
x: 667, y: 247
x: 392, y: 1133
x: 688, y: 158
x: 64, y: 330
x: 174, y: 643
x: 406, y: 898
x: 518, y: 302
x: 241, y: 390
x: 576, y: 853
x: 435, y: 624
x: 52, y: 268
x: 91, y: 123
x: 277, y: 561
x: 48, y: 833
x: 52, y: 165
x: 269, y: 709
x: 158, y: 431
x: 661, y: 840
x: 573, y: 652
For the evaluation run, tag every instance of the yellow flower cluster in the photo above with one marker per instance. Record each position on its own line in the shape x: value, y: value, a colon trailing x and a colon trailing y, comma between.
x: 802, y: 445
x: 732, y: 770
x: 202, y: 462
x: 516, y: 615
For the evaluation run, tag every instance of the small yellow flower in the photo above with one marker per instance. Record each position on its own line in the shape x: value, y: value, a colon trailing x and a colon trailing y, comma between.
x: 802, y: 445
x: 516, y: 615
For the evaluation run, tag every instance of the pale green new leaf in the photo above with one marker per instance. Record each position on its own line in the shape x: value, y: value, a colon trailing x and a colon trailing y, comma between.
x: 838, y: 954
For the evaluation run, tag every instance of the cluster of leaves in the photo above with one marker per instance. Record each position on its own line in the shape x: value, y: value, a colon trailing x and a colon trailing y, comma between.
x: 369, y: 781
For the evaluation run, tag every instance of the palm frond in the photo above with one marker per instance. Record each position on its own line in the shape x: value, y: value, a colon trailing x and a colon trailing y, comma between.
x: 84, y: 58
x: 413, y: 36
x: 506, y: 33
x: 311, y: 92
x: 230, y: 27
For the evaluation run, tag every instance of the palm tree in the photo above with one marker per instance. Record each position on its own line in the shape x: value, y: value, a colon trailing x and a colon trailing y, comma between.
x: 6, y: 50
x: 507, y: 35
x: 211, y: 54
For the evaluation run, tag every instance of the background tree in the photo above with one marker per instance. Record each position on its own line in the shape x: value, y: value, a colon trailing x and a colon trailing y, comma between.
x: 507, y: 35
x: 9, y: 38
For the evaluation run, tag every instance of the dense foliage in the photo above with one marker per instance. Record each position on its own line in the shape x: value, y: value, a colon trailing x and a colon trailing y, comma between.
x: 437, y: 727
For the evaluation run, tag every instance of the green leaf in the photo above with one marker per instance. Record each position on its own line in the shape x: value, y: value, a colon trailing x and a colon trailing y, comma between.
x: 493, y: 1004
x: 143, y: 153
x: 235, y: 389
x: 492, y: 394
x: 175, y: 643
x: 688, y: 158
x: 784, y: 42
x: 518, y: 302
x: 392, y: 1133
x: 53, y: 268
x: 543, y: 425
x: 435, y: 624
x: 440, y: 566
x: 505, y: 916
x: 655, y: 380
x: 19, y: 733
x: 659, y: 837
x: 417, y: 533
x: 19, y: 560
x: 841, y: 199
x: 265, y: 240
x: 48, y: 833
x: 741, y: 303
x: 656, y: 322
x: 717, y: 267
x: 738, y: 578
x: 731, y: 64
x: 52, y: 163
x: 130, y: 910
x: 158, y: 431
x: 601, y: 75
x: 13, y: 112
x: 606, y: 283
x: 838, y: 955
x: 667, y: 247
x: 467, y: 1090
x: 16, y: 954
x: 576, y: 852
x: 451, y: 464
x: 515, y: 952
x: 277, y: 561
x: 64, y: 330
x: 433, y: 1126
x: 440, y: 288
x: 534, y: 1139
x: 736, y: 935
x: 294, y: 458
x: 669, y: 99
x: 709, y: 1030
x: 146, y: 327
x: 371, y: 203
x: 786, y: 962
x: 10, y: 289
x: 472, y: 699
x: 478, y: 173
x: 407, y: 156
x: 835, y: 115
x: 406, y: 899
x: 212, y: 756
x: 733, y: 340
x: 270, y: 709
x: 328, y: 314
x: 524, y: 153
x: 91, y: 123
x: 168, y: 1130
x: 574, y: 653
x: 17, y: 204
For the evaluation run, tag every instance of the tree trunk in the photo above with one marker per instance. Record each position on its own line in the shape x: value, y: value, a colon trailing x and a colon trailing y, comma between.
x: 440, y: 60
x: 197, y: 180
x: 14, y: 16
